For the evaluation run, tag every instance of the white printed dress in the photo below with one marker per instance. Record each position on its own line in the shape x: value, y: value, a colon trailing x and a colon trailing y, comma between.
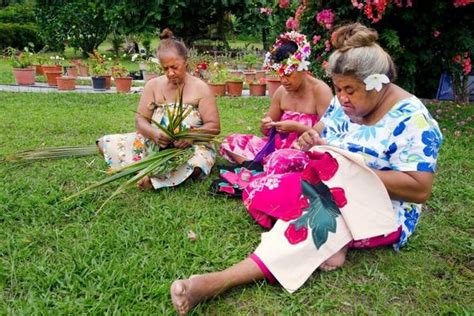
x: 123, y: 149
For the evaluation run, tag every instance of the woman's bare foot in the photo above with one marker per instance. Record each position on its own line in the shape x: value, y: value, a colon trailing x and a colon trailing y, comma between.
x: 145, y: 183
x: 335, y: 261
x: 185, y: 294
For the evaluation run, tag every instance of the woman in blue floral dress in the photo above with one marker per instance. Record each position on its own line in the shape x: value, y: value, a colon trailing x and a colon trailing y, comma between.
x: 392, y: 140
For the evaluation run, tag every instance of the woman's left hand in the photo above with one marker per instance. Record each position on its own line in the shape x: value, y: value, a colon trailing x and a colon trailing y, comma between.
x: 182, y: 143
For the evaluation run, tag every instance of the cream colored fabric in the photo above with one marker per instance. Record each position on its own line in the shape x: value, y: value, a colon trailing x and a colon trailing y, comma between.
x: 368, y: 213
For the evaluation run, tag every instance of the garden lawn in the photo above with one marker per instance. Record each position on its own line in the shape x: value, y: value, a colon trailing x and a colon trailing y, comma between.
x: 63, y: 258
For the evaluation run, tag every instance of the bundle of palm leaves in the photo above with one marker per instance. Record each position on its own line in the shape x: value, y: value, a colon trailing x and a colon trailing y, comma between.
x: 157, y: 163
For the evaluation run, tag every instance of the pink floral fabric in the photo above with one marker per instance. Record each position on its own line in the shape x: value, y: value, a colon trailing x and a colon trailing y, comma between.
x: 248, y: 146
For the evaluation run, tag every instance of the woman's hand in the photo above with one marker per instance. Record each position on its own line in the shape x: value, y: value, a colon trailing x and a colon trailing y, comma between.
x: 309, y: 139
x: 182, y: 143
x: 266, y: 123
x: 160, y: 138
x: 287, y: 126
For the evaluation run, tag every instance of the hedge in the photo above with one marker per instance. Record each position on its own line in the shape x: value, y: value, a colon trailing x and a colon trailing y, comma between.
x: 19, y: 35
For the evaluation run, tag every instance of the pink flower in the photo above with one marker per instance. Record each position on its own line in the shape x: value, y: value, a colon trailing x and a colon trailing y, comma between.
x: 326, y: 18
x: 267, y: 11
x: 316, y: 39
x: 436, y: 33
x: 467, y: 66
x: 284, y: 4
x: 292, y: 24
x: 339, y: 196
x: 461, y: 3
x: 328, y: 45
x: 324, y: 64
x: 296, y: 236
x: 457, y: 59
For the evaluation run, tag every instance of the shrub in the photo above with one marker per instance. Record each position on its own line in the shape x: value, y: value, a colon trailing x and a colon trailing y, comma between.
x: 18, y: 35
x: 421, y: 36
x: 17, y: 14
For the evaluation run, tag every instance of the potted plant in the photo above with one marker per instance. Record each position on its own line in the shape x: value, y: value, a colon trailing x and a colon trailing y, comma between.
x: 152, y: 70
x: 235, y: 86
x: 99, y: 68
x: 258, y: 87
x: 52, y: 65
x: 273, y: 82
x: 218, y: 75
x: 123, y: 82
x: 22, y: 66
x: 82, y: 67
x: 66, y: 82
x: 250, y: 60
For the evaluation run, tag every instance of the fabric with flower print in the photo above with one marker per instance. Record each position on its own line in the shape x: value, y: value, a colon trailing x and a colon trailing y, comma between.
x: 313, y: 213
x: 407, y: 138
x: 248, y: 146
x: 123, y: 149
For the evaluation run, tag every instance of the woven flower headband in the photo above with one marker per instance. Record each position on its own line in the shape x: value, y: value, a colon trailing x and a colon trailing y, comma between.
x: 298, y: 61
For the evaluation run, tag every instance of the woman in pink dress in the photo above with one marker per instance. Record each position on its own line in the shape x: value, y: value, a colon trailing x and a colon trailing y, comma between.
x: 295, y: 107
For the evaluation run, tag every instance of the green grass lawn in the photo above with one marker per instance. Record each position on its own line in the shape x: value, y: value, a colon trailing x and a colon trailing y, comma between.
x: 66, y: 259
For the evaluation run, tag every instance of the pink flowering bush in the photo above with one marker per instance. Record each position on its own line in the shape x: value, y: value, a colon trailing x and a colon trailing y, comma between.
x: 421, y: 36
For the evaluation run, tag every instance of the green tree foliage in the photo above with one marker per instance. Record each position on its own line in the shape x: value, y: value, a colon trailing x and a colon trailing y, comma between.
x: 422, y: 39
x: 80, y: 23
x: 85, y: 24
x: 17, y: 26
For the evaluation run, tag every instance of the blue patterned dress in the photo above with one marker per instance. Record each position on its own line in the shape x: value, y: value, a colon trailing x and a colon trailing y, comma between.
x: 407, y: 138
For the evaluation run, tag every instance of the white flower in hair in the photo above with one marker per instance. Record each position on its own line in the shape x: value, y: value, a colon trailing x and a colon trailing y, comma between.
x: 303, y: 65
x: 375, y: 81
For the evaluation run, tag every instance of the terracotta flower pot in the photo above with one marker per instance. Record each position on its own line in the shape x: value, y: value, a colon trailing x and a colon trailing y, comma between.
x: 123, y: 84
x: 249, y: 76
x: 83, y: 70
x: 70, y: 71
x: 257, y: 89
x: 272, y: 85
x: 234, y: 88
x: 39, y: 70
x: 66, y: 83
x: 47, y: 68
x: 259, y: 74
x: 218, y: 89
x: 51, y: 77
x: 108, y: 81
x: 24, y: 76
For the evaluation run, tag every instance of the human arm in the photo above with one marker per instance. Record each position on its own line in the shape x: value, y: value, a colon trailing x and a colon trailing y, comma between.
x: 412, y: 186
x: 274, y: 113
x: 142, y: 122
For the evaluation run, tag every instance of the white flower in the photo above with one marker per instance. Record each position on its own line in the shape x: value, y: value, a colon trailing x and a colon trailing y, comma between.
x: 303, y: 65
x: 154, y: 60
x: 272, y: 183
x: 134, y: 57
x: 375, y: 81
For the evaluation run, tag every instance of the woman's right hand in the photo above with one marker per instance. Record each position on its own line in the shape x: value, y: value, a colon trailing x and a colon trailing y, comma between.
x: 266, y: 123
x: 309, y: 139
x: 160, y: 138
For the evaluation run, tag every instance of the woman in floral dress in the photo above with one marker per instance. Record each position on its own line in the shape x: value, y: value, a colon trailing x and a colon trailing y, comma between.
x: 370, y: 164
x: 157, y: 98
x: 295, y: 107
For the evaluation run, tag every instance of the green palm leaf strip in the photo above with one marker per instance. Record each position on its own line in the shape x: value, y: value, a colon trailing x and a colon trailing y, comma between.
x: 51, y: 153
x: 156, y: 164
x: 321, y: 214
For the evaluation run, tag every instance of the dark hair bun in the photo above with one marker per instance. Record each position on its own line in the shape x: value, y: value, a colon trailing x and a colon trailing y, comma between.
x: 166, y: 34
x: 352, y: 36
x: 284, y: 51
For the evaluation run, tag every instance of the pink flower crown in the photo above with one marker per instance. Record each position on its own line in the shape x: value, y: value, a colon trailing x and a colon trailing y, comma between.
x: 298, y: 61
